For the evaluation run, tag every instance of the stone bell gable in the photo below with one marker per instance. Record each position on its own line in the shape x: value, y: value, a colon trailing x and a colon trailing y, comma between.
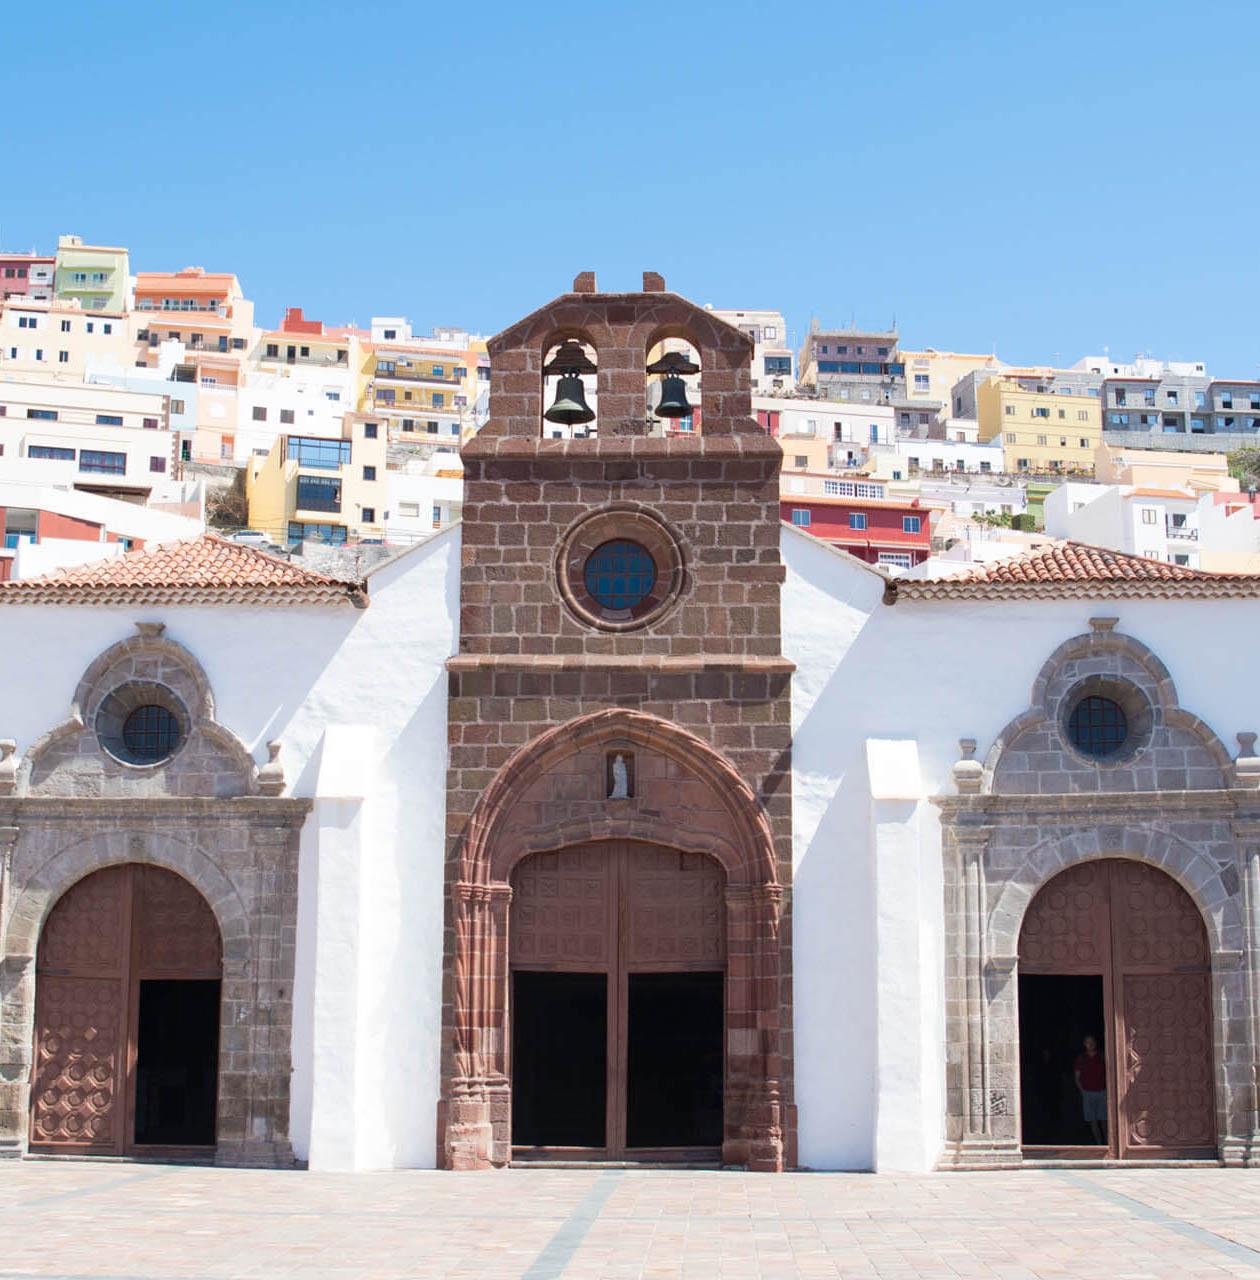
x: 698, y: 657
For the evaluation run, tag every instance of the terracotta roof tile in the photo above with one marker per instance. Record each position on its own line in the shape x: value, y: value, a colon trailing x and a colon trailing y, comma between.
x: 204, y: 570
x: 1076, y: 570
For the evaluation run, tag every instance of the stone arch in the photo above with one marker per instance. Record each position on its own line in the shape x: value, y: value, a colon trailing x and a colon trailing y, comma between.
x: 1031, y: 755
x: 211, y: 760
x: 70, y: 864
x: 514, y: 818
x: 748, y: 858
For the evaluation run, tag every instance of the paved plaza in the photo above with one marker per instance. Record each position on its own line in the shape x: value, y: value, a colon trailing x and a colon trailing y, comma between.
x: 117, y: 1221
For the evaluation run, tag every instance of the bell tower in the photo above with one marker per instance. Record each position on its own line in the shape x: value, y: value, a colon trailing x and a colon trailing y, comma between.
x: 620, y: 677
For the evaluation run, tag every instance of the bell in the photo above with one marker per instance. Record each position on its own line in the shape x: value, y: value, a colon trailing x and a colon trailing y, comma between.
x: 569, y: 406
x: 673, y: 403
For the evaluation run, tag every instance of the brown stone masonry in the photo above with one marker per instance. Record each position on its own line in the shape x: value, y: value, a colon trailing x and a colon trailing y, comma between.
x: 697, y: 689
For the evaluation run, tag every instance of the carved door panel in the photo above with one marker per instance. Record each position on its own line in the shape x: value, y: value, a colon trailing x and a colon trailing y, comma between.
x: 617, y: 909
x: 107, y: 934
x: 1165, y: 1089
x: 1133, y: 925
x: 77, y: 1097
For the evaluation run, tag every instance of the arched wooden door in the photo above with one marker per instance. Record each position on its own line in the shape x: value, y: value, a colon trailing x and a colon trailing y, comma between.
x: 1116, y: 949
x: 127, y: 985
x: 618, y: 955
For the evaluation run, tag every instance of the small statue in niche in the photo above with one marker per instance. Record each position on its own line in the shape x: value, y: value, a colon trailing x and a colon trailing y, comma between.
x: 618, y: 777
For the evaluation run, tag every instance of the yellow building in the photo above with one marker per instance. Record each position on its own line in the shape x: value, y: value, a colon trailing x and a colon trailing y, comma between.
x: 327, y: 489
x: 1165, y: 469
x: 422, y: 387
x: 1041, y: 431
x: 931, y: 374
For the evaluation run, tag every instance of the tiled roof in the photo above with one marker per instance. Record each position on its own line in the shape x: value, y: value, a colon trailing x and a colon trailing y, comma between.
x: 204, y: 570
x: 1074, y: 570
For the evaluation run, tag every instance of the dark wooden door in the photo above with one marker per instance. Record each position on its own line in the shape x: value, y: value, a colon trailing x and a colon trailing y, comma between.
x: 619, y: 909
x: 110, y: 933
x: 1136, y: 928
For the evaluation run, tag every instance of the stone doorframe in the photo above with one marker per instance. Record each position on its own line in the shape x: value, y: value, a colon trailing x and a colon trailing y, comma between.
x: 249, y: 882
x: 731, y: 827
x: 1015, y: 825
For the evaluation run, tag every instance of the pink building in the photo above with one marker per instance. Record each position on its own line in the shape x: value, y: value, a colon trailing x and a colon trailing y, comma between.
x: 26, y: 275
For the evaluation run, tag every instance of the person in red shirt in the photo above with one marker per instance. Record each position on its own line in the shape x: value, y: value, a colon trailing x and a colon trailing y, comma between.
x: 1091, y: 1080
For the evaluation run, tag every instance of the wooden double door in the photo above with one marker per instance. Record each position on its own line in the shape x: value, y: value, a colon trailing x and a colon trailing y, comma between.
x: 1116, y: 950
x: 127, y: 994
x: 618, y: 956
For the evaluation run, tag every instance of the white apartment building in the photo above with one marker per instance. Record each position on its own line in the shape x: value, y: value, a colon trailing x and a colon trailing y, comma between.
x: 101, y: 439
x: 1141, y: 367
x: 773, y: 361
x: 1160, y: 524
x: 425, y: 496
x: 57, y: 338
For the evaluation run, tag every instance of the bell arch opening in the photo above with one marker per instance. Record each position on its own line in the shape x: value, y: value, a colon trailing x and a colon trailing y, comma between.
x: 674, y: 370
x: 1115, y: 1017
x: 570, y: 386
x: 128, y: 980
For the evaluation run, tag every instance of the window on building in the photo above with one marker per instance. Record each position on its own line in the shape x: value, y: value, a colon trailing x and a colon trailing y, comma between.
x: 273, y: 350
x: 1010, y: 410
x: 39, y: 353
x: 319, y: 493
x: 1041, y: 440
x: 1148, y: 515
x: 1171, y: 397
x: 800, y: 461
x: 90, y: 327
x: 157, y: 465
x: 330, y: 533
x: 1098, y: 726
x: 857, y: 519
x: 27, y: 322
x: 312, y: 451
x: 1082, y: 415
x: 369, y: 473
x: 150, y: 424
x: 103, y: 461
x: 800, y: 518
x: 43, y: 415
x: 911, y: 524
x: 65, y: 326
x: 177, y: 406
x: 286, y: 417
x: 777, y: 365
x: 260, y: 413
x: 391, y: 334
x: 1120, y: 396
x: 109, y: 419
x: 369, y: 515
x: 369, y: 430
x: 50, y: 452
x: 1040, y: 411
x: 306, y: 351
x: 1200, y: 399
x: 63, y: 357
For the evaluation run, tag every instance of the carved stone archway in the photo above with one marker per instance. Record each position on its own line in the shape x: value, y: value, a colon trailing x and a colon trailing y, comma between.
x: 551, y: 794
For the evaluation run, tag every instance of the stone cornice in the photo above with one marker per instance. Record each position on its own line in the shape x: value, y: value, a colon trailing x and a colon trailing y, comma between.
x: 266, y: 810
x: 1089, y: 806
x: 752, y: 664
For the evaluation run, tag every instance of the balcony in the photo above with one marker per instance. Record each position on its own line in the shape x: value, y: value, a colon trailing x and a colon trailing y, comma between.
x: 1180, y: 532
x: 415, y: 375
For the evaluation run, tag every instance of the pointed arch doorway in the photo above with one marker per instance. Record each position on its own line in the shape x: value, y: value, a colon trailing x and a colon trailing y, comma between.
x: 127, y: 1008
x: 1117, y: 951
x: 618, y: 972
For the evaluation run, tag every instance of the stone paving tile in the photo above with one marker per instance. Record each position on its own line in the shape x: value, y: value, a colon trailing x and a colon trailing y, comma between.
x: 110, y: 1221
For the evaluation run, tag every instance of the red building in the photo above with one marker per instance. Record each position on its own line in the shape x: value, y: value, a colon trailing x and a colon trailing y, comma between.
x: 26, y: 275
x: 877, y: 531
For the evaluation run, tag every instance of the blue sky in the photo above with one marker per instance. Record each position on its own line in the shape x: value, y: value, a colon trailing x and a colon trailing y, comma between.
x: 1043, y: 179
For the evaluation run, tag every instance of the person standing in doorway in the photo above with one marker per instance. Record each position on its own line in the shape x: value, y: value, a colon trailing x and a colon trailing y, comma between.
x: 1091, y: 1079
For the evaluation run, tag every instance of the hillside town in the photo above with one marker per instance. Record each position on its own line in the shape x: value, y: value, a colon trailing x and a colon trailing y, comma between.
x: 142, y: 407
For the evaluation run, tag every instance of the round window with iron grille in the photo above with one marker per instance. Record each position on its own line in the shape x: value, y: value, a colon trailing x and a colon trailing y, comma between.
x: 620, y: 567
x: 142, y: 723
x: 150, y: 733
x: 1098, y: 727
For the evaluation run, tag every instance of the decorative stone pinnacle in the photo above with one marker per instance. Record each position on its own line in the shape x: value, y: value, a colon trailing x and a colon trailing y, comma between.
x: 1103, y: 625
x: 150, y: 630
x: 271, y: 775
x: 968, y: 772
x: 1247, y: 764
x: 8, y: 766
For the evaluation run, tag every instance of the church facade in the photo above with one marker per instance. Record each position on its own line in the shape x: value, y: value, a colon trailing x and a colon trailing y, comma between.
x: 622, y: 821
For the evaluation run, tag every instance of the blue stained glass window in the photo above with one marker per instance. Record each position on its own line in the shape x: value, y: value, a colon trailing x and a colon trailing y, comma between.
x: 620, y: 575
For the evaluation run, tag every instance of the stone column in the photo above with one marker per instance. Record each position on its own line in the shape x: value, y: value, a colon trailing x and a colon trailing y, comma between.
x: 16, y: 995
x: 754, y: 1065
x: 1243, y: 1147
x: 478, y: 1102
x: 980, y: 1128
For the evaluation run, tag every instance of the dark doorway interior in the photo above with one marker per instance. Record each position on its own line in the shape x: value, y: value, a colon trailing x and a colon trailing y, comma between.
x: 1056, y: 1013
x: 559, y: 1059
x: 177, y: 1061
x: 674, y: 1060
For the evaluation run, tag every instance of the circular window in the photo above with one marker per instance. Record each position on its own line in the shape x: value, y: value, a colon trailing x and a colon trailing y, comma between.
x: 1098, y: 726
x: 620, y: 575
x: 619, y: 568
x: 150, y: 733
x: 142, y: 724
